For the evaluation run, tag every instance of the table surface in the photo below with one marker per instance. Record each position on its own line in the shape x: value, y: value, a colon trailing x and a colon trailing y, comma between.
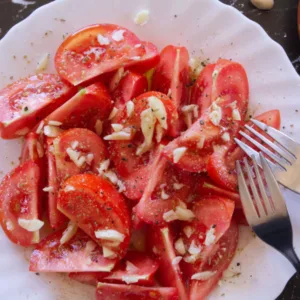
x: 280, y: 23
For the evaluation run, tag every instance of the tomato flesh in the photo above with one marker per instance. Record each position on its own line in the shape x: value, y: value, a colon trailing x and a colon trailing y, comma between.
x: 82, y: 56
x: 19, y: 199
x: 29, y: 100
x: 94, y: 204
x: 79, y: 254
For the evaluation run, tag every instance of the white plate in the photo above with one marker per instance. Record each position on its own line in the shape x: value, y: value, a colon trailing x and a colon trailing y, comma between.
x: 209, y: 29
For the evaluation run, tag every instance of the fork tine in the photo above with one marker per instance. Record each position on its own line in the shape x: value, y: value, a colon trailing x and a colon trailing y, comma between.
x: 248, y: 206
x: 276, y: 195
x: 262, y: 189
x: 281, y: 138
x: 260, y: 208
x: 284, y: 153
x: 252, y: 153
x: 264, y: 149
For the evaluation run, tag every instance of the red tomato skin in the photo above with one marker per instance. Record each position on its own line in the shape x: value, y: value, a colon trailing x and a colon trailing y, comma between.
x: 134, y: 292
x: 81, y: 51
x: 202, y: 89
x: 94, y: 204
x: 149, y: 60
x: 221, y: 164
x: 84, y: 109
x: 56, y: 218
x: 172, y: 73
x: 130, y: 86
x: 161, y: 239
x: 201, y: 289
x: 90, y: 278
x: 81, y: 253
x: 19, y: 198
x: 44, y: 92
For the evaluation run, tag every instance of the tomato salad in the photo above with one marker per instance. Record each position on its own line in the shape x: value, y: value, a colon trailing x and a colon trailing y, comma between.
x: 129, y: 156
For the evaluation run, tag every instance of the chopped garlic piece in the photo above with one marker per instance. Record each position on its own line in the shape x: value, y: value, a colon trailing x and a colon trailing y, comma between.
x: 170, y: 216
x: 136, y: 58
x: 40, y: 127
x: 210, y: 236
x: 9, y: 225
x: 215, y: 115
x: 142, y: 17
x: 52, y: 131
x: 164, y: 195
x: 203, y: 275
x: 191, y: 259
x: 102, y: 40
x: 159, y: 111
x: 39, y: 149
x: 74, y: 145
x: 104, y: 165
x: 43, y: 63
x: 178, y: 153
x: 110, y: 235
x: 178, y: 186
x: 108, y: 253
x: 48, y: 189
x: 119, y: 74
x: 118, y: 136
x: 31, y: 225
x: 99, y: 127
x: 69, y: 188
x: 69, y: 232
x: 184, y: 214
x: 159, y: 133
x: 176, y: 260
x: 196, y: 66
x: 130, y: 267
x: 194, y: 249
x: 75, y: 157
x: 201, y: 142
x: 188, y: 231
x: 129, y: 108
x: 89, y: 158
x: 121, y: 186
x: 225, y: 137
x: 54, y: 123
x: 113, y: 113
x: 236, y: 115
x: 118, y: 35
x: 111, y: 176
x: 233, y: 104
x: 179, y: 246
x: 117, y: 127
x: 133, y: 278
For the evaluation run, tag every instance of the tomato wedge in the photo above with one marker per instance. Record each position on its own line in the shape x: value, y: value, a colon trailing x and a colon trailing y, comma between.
x: 134, y: 292
x: 84, y: 143
x: 19, y: 199
x: 202, y: 89
x: 79, y: 254
x: 129, y: 87
x: 29, y: 100
x: 149, y: 60
x: 166, y: 189
x: 172, y: 74
x: 88, y: 106
x: 221, y: 165
x: 32, y: 148
x: 95, y: 50
x: 200, y: 289
x: 96, y: 206
x: 161, y: 242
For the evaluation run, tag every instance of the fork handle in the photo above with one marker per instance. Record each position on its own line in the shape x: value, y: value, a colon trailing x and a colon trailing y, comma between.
x: 291, y: 255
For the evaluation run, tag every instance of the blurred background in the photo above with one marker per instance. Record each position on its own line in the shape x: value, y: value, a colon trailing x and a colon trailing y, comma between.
x: 280, y: 23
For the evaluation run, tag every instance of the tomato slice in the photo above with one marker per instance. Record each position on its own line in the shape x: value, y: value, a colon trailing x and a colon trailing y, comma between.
x: 90, y: 278
x: 89, y: 105
x: 32, y: 148
x: 172, y: 73
x: 95, y: 205
x: 202, y: 89
x: 175, y: 186
x: 161, y: 241
x: 19, y: 199
x: 218, y: 264
x: 129, y: 87
x: 79, y: 254
x: 134, y: 292
x: 29, y: 100
x: 95, y: 50
x: 221, y: 164
x: 56, y: 218
x: 83, y: 142
x: 149, y: 60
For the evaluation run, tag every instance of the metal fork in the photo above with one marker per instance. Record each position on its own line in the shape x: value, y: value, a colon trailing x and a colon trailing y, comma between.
x: 285, y: 157
x: 268, y: 216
